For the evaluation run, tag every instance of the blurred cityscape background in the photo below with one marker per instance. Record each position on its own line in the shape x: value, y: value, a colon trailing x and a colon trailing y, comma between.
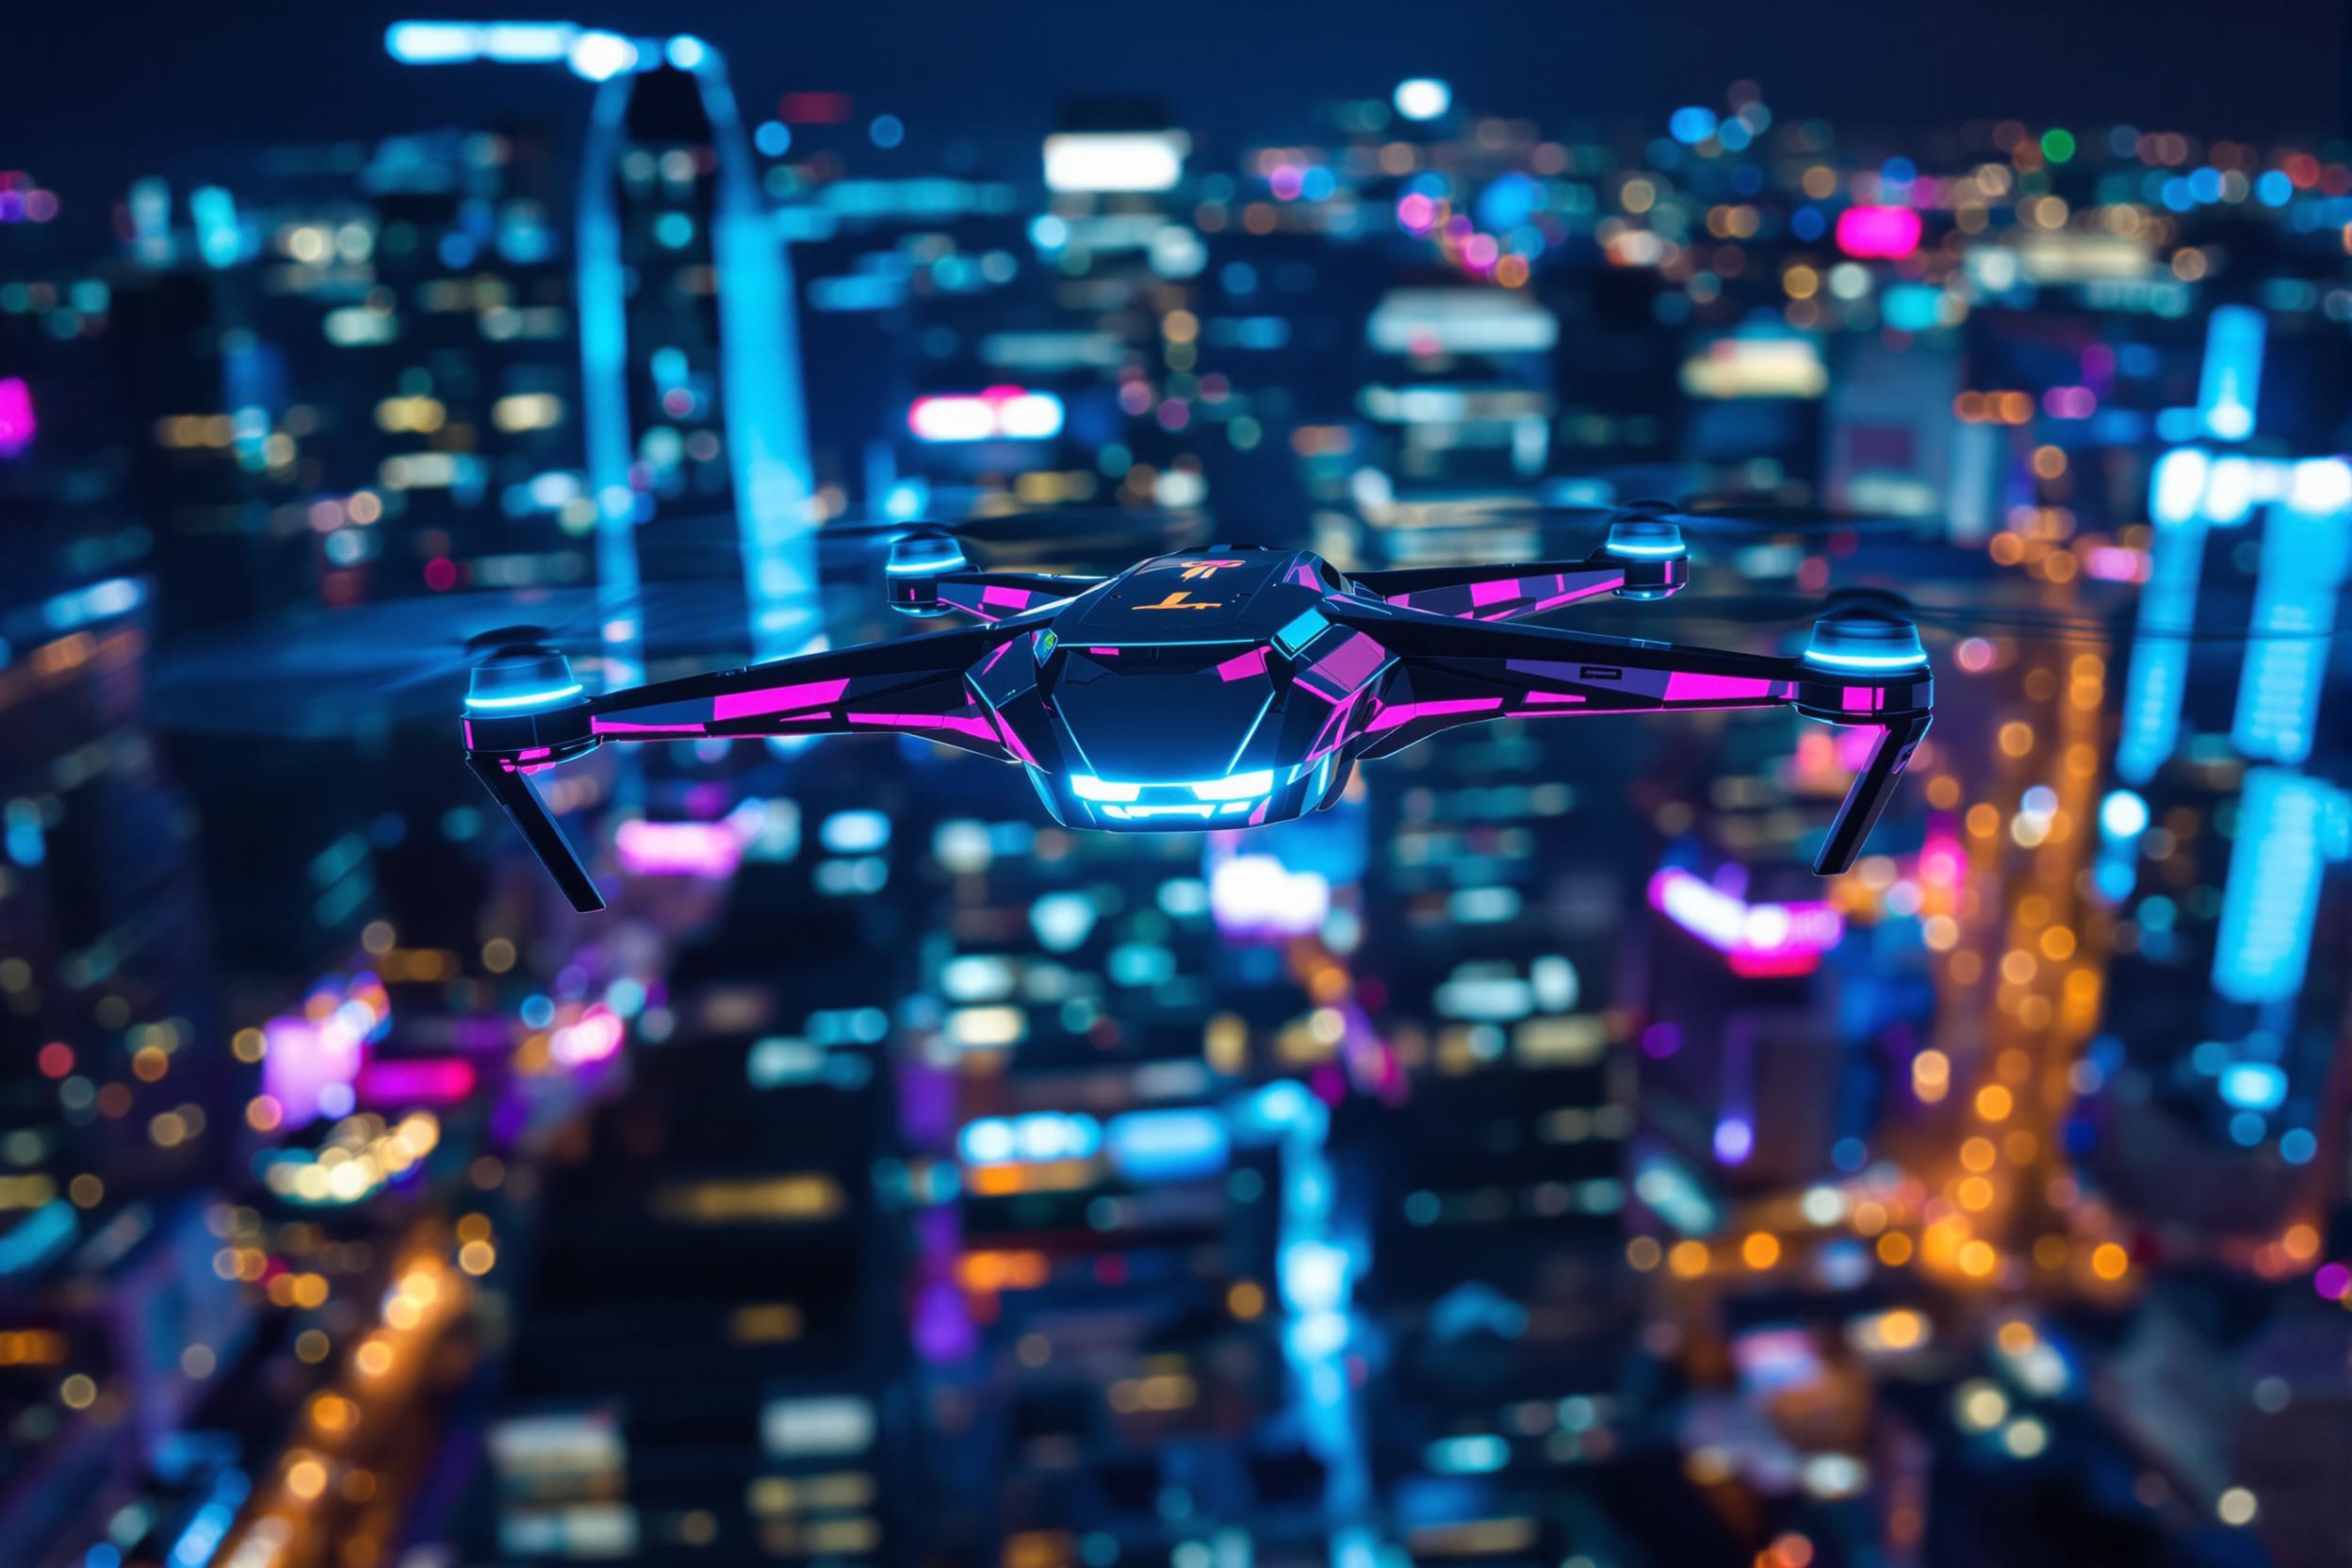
x: 1523, y: 1163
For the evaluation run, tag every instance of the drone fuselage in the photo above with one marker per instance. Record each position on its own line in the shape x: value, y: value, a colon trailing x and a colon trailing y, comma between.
x: 1191, y: 691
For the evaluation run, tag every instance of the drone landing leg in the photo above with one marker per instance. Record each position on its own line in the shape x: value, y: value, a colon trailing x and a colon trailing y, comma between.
x: 1873, y: 788
x: 539, y: 828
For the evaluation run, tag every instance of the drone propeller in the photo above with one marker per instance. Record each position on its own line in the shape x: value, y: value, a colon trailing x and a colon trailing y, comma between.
x: 323, y: 674
x: 1755, y: 517
x: 1954, y: 619
x: 1029, y: 539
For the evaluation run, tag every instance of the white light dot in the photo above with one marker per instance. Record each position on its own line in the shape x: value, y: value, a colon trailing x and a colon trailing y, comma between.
x: 1423, y: 98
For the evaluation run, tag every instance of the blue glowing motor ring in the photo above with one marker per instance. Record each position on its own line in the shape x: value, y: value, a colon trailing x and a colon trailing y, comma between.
x: 1648, y: 543
x: 917, y: 563
x: 1867, y: 633
x: 521, y: 678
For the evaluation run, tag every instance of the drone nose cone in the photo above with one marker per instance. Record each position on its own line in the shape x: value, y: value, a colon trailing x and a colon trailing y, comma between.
x: 522, y: 679
x: 1872, y: 636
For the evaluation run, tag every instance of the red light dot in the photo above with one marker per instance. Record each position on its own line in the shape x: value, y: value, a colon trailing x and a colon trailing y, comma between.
x: 56, y: 1058
x: 441, y: 574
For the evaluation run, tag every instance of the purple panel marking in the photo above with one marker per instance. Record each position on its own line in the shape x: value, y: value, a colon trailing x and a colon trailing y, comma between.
x: 1352, y: 662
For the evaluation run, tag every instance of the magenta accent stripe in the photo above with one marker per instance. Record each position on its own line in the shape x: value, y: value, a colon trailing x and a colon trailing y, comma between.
x: 963, y: 724
x: 1312, y: 690
x: 618, y: 726
x: 1000, y: 652
x: 777, y: 700
x: 1105, y: 653
x: 1016, y: 599
x: 1012, y: 742
x: 1572, y: 596
x: 1405, y: 712
x: 1540, y: 697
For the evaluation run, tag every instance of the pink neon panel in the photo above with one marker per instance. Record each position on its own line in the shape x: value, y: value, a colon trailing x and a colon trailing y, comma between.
x: 1861, y: 699
x: 428, y: 1081
x: 1012, y: 598
x: 777, y: 699
x: 1495, y: 593
x: 1684, y: 687
x: 1242, y: 666
x: 1545, y: 699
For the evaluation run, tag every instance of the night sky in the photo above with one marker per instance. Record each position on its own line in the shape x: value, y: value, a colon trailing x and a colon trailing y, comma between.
x: 83, y: 105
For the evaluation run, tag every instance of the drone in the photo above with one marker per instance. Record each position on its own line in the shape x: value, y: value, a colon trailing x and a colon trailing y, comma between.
x: 1221, y: 688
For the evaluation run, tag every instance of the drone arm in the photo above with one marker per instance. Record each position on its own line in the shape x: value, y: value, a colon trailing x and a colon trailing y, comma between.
x: 1449, y: 673
x: 907, y: 685
x: 990, y: 595
x: 1494, y: 593
x: 511, y: 787
x: 1455, y: 672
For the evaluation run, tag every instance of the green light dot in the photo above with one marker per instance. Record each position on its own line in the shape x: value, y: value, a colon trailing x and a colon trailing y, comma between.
x: 2057, y: 144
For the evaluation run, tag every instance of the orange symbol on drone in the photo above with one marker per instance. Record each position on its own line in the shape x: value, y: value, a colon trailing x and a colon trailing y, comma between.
x: 1180, y: 599
x: 1203, y: 568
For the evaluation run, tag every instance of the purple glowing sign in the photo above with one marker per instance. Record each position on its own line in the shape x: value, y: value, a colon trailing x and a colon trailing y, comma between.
x: 706, y: 849
x: 1256, y: 895
x: 595, y: 1035
x: 313, y: 1060
x: 1758, y: 939
x: 17, y: 423
x: 1878, y: 233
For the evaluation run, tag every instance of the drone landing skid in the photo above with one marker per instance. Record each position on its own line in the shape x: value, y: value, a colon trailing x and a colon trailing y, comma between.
x: 515, y: 793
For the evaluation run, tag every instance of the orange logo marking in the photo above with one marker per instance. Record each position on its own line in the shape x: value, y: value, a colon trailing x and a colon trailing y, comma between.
x: 1180, y: 599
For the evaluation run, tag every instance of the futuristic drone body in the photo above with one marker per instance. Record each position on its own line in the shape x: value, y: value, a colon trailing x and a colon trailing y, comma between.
x: 1222, y: 687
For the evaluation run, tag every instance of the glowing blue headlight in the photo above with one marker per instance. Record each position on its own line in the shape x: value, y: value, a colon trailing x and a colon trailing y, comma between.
x: 1086, y: 787
x: 1238, y: 785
